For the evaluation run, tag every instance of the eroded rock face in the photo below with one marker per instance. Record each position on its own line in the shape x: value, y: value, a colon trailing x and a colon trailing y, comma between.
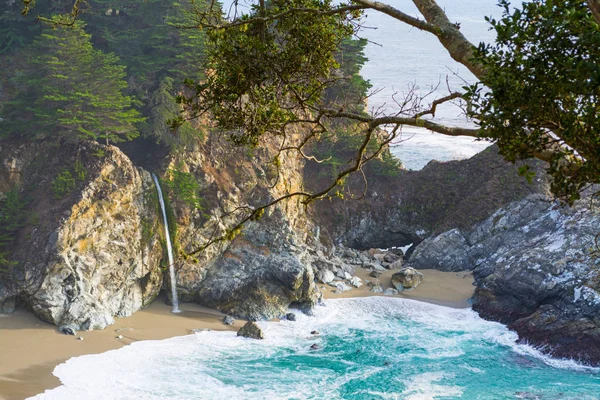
x: 533, y: 270
x: 266, y: 268
x: 92, y: 254
x: 414, y: 205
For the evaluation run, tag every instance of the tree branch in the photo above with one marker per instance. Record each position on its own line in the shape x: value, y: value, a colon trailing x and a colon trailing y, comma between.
x: 594, y: 6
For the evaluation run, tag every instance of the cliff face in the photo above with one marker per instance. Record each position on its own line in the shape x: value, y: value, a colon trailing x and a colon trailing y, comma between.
x: 87, y: 256
x: 534, y: 271
x: 266, y: 268
x: 406, y: 209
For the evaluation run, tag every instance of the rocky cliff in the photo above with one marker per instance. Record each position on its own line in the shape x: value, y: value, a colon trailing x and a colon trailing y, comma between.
x: 85, y: 254
x: 534, y: 269
x: 266, y: 268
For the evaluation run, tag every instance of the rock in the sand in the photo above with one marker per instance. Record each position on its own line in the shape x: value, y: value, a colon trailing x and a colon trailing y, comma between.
x: 70, y: 329
x: 228, y: 320
x: 341, y: 287
x: 390, y: 292
x: 251, y: 330
x: 377, y: 289
x: 119, y: 337
x: 397, y: 264
x: 325, y: 276
x: 374, y: 266
x: 407, y: 279
x: 290, y: 316
x: 80, y: 338
x: 375, y: 273
x: 390, y: 258
x: 355, y: 281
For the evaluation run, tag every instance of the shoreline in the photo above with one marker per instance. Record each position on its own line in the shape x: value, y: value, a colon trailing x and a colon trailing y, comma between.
x: 30, y: 349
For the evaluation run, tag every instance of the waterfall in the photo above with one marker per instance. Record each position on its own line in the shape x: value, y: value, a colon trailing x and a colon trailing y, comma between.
x: 169, y: 247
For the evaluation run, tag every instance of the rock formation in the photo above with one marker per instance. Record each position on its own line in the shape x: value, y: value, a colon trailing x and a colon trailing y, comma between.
x: 88, y: 256
x: 534, y: 271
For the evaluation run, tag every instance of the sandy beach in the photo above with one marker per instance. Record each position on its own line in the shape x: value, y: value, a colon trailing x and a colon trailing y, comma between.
x: 30, y: 348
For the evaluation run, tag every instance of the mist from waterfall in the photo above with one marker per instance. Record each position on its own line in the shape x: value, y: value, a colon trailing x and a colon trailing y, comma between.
x: 169, y: 247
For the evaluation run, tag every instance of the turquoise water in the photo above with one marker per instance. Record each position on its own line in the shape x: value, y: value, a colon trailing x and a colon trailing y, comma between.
x: 374, y: 348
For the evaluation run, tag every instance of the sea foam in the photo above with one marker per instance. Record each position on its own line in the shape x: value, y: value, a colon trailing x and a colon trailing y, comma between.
x: 370, y: 348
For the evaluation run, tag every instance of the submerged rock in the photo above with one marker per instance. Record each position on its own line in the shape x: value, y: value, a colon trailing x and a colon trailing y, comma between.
x: 251, y: 330
x: 407, y: 279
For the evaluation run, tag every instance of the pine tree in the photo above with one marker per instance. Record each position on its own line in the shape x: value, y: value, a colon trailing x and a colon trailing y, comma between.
x: 72, y: 90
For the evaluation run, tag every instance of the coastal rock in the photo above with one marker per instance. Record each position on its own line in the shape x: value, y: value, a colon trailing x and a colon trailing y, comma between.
x: 376, y: 289
x: 290, y: 316
x: 534, y: 271
x: 271, y: 265
x: 414, y: 205
x: 95, y: 253
x: 390, y: 292
x: 375, y: 274
x: 325, y: 276
x: 407, y: 279
x: 228, y: 320
x: 356, y: 282
x: 7, y: 305
x: 251, y: 330
x: 70, y: 329
x: 445, y: 252
x: 341, y: 287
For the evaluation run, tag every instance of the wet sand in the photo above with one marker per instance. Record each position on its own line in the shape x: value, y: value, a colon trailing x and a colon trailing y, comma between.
x: 30, y: 349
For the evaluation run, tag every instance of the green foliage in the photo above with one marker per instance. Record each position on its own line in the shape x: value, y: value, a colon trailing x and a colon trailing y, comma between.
x: 72, y: 90
x: 63, y: 184
x: 262, y: 74
x: 184, y: 187
x: 351, y: 89
x: 543, y: 77
x: 79, y: 171
x: 13, y: 216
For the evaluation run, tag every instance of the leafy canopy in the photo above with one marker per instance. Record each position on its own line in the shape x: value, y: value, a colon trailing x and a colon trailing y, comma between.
x: 541, y: 89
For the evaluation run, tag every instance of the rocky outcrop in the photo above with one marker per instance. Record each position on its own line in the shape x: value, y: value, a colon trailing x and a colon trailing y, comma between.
x: 534, y: 271
x: 266, y: 268
x: 405, y: 209
x: 90, y: 254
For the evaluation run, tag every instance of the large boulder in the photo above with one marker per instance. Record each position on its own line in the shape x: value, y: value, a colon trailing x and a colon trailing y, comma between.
x: 407, y: 279
x: 94, y: 252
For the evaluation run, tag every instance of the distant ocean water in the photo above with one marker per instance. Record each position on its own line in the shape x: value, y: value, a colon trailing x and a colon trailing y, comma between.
x: 370, y: 348
x: 400, y: 55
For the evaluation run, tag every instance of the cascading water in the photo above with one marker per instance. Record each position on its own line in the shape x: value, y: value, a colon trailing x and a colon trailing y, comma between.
x: 169, y: 247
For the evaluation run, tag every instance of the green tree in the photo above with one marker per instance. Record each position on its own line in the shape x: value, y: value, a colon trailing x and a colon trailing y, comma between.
x: 71, y: 90
x: 541, y: 79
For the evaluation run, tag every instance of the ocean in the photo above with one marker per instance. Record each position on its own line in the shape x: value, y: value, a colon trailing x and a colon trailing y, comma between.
x: 369, y: 348
x: 401, y: 57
